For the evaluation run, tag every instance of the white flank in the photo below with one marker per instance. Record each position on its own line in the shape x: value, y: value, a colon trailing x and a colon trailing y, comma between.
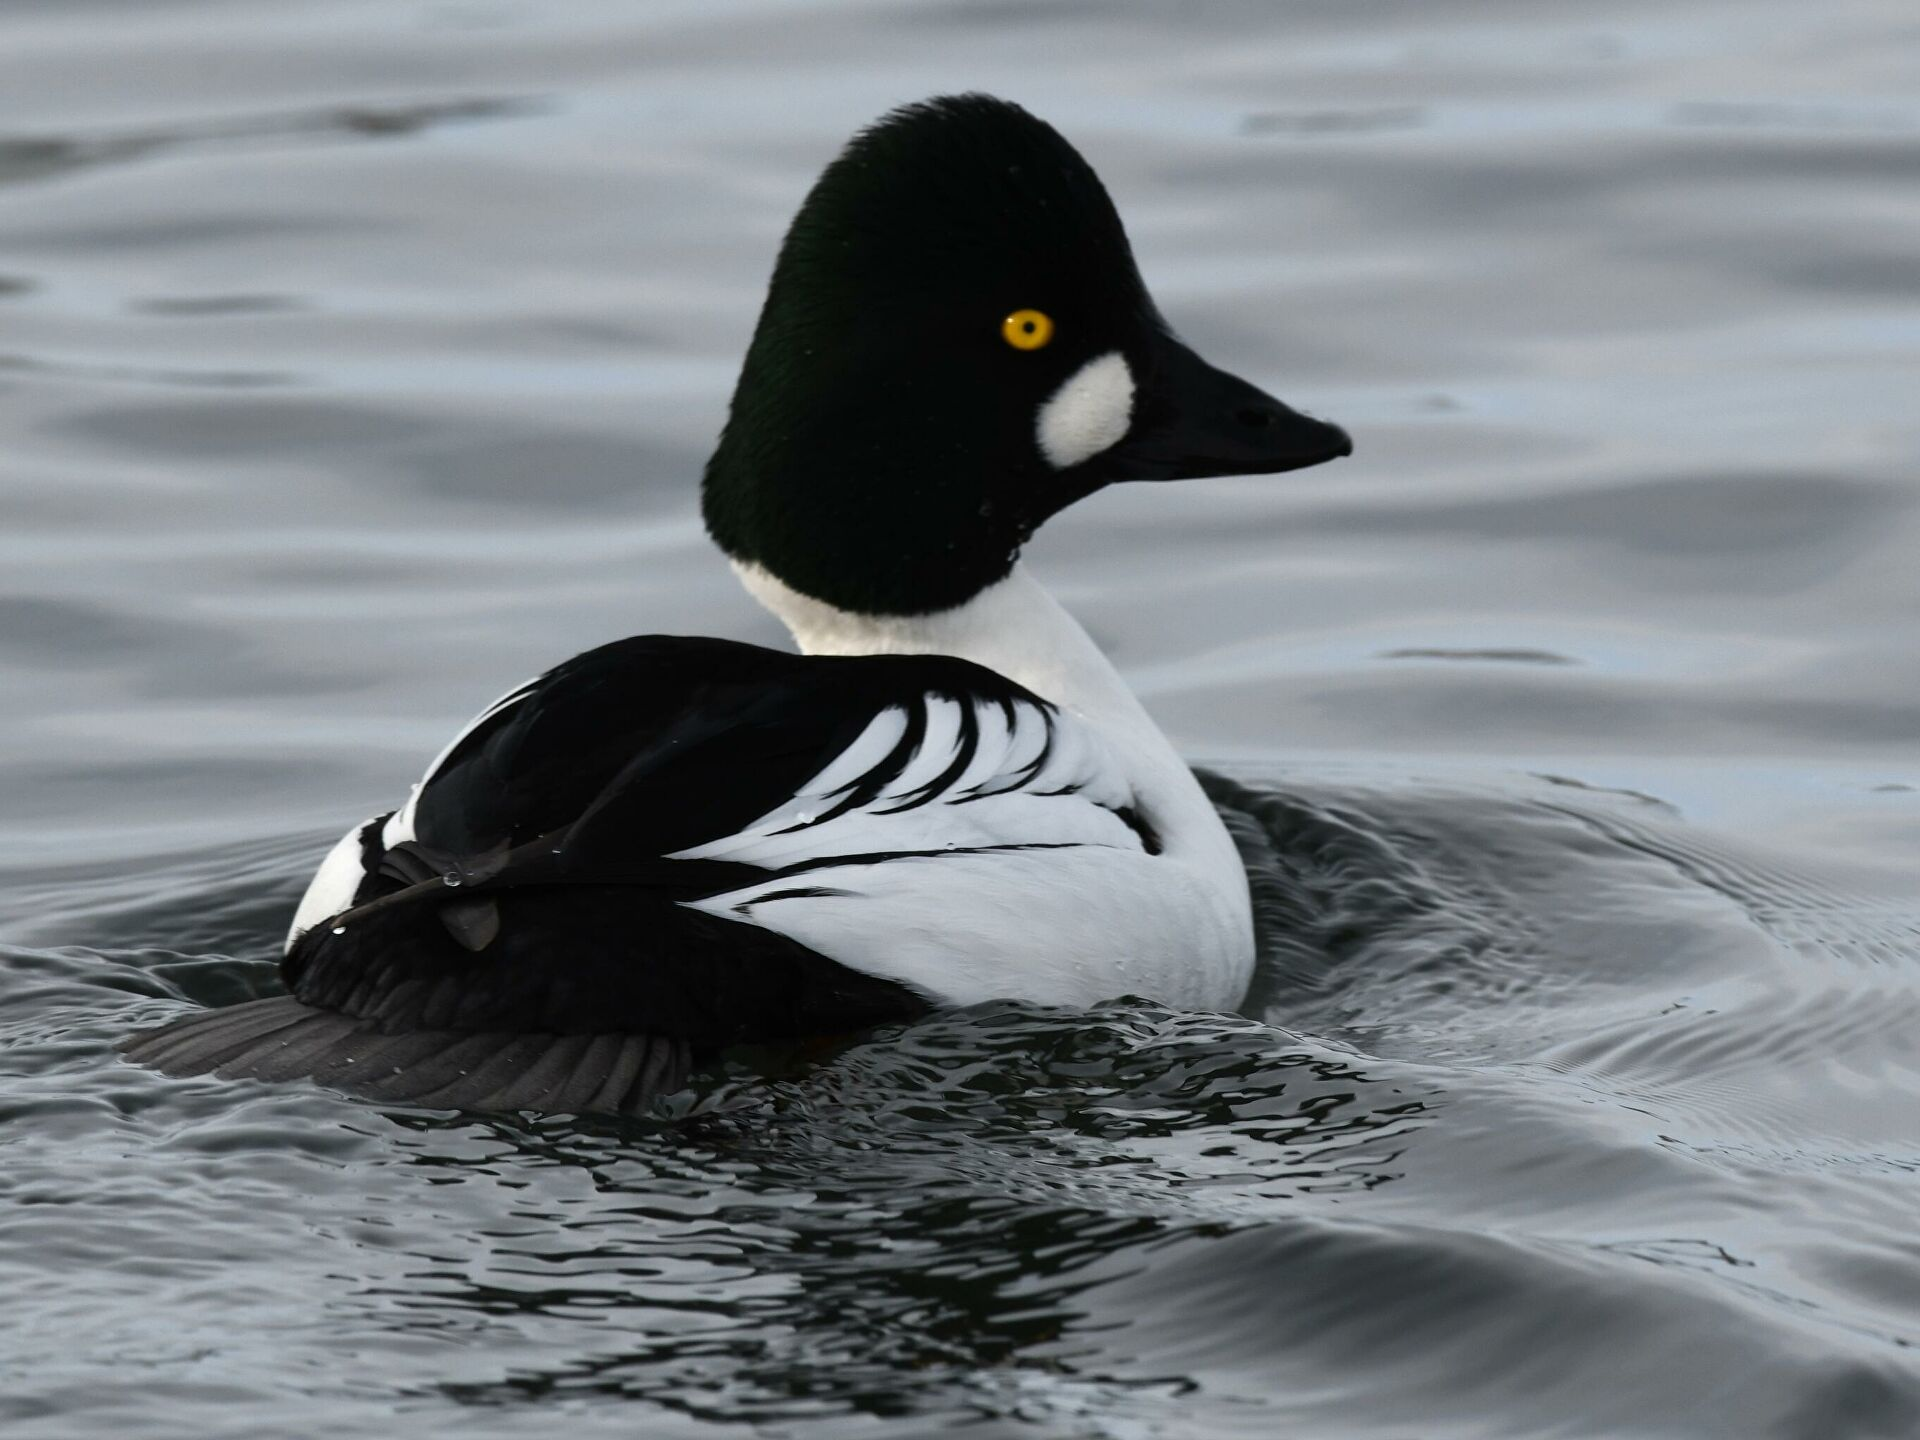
x: 1069, y: 926
x: 1088, y: 413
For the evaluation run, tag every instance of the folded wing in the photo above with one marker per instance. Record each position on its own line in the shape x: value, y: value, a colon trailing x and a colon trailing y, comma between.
x: 570, y: 870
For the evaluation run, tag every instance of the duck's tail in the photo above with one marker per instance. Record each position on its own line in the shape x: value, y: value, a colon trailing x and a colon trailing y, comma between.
x: 283, y: 1039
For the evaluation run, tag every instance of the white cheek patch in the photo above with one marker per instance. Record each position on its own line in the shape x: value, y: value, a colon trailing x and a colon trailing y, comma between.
x: 1088, y: 413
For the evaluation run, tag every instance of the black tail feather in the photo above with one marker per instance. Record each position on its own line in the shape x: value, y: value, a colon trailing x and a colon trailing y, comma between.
x: 283, y: 1039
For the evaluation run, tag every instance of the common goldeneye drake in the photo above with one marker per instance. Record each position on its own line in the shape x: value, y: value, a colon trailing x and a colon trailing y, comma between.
x: 667, y: 846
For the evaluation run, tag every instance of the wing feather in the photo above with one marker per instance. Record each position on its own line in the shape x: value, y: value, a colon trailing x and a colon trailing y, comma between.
x: 983, y: 775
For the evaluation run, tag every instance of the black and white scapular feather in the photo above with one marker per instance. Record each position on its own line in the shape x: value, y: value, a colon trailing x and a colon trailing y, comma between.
x: 668, y: 846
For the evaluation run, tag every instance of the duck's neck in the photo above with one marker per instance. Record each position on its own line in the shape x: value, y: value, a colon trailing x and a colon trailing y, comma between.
x: 1013, y: 627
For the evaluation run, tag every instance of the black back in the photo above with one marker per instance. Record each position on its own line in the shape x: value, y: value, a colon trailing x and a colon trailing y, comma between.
x: 556, y: 816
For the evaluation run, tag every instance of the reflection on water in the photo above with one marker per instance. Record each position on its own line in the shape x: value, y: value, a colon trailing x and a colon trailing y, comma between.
x: 24, y: 160
x: 359, y: 360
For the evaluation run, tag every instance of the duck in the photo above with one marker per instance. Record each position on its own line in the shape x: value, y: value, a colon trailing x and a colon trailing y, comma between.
x: 670, y: 847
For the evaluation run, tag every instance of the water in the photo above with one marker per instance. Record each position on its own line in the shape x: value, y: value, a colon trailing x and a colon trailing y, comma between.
x: 356, y: 362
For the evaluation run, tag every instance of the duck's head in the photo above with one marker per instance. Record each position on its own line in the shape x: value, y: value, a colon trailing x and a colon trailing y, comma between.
x: 956, y: 344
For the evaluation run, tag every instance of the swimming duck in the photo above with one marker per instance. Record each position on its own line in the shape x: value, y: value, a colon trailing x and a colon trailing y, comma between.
x: 669, y: 845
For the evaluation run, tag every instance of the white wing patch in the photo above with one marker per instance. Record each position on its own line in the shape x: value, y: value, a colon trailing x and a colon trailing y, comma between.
x: 982, y: 775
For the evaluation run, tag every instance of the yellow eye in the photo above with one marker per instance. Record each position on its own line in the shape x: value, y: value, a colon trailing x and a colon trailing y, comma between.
x: 1027, y: 329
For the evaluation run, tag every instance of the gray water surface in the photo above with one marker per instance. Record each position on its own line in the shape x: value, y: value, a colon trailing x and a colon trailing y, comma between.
x: 358, y: 360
